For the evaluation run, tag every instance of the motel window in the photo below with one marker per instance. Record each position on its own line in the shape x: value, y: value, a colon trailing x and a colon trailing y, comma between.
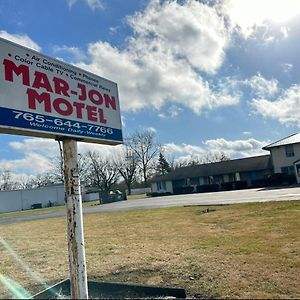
x: 161, y: 185
x: 158, y: 185
x: 289, y: 151
x: 288, y: 170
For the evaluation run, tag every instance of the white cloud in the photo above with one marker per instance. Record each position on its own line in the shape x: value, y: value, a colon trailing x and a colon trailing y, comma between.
x: 261, y: 86
x: 47, y: 147
x: 93, y: 4
x: 249, y: 15
x: 285, y: 31
x: 247, y: 133
x: 193, y: 30
x: 114, y: 29
x: 172, y: 112
x: 37, y: 154
x: 151, y: 129
x: 183, y: 149
x: 285, y: 109
x: 287, y: 67
x: 31, y: 163
x: 160, y: 65
x: 75, y: 53
x: 71, y: 2
x: 237, y: 148
x: 234, y: 149
x: 23, y: 40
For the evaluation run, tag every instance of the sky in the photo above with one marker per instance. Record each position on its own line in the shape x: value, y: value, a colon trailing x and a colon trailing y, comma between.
x: 205, y: 76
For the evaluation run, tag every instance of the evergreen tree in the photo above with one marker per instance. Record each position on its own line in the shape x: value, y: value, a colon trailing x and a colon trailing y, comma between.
x: 163, y: 166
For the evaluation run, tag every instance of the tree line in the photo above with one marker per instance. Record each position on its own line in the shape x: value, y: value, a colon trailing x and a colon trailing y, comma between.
x: 141, y: 157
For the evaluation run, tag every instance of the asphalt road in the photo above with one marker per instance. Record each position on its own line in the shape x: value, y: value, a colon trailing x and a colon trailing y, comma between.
x: 228, y: 197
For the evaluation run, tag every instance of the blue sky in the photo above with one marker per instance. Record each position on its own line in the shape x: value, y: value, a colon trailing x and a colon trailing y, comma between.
x: 206, y: 76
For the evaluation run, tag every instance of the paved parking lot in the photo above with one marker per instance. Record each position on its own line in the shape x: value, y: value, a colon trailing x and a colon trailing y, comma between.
x: 228, y: 197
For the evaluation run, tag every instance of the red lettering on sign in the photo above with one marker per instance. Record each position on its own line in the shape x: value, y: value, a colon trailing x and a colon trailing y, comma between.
x: 110, y: 101
x: 92, y: 113
x: 82, y: 97
x: 78, y: 108
x: 41, y: 81
x: 10, y: 69
x: 95, y: 97
x: 42, y: 88
x: 61, y: 87
x: 101, y: 116
x: 63, y: 107
x: 34, y: 96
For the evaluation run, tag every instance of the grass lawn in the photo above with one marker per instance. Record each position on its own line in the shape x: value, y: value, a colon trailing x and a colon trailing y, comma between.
x: 134, y: 197
x: 236, y: 251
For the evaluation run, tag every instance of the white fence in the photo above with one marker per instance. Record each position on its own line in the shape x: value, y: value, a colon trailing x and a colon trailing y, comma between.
x: 24, y: 199
x: 90, y: 197
x: 139, y: 191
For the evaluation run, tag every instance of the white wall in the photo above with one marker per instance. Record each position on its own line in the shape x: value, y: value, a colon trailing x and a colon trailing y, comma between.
x: 279, y: 157
x: 139, y: 191
x: 169, y: 187
x: 23, y: 199
x: 90, y: 197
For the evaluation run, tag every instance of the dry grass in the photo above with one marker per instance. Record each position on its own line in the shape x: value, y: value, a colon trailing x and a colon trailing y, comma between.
x: 238, y: 251
x: 135, y: 197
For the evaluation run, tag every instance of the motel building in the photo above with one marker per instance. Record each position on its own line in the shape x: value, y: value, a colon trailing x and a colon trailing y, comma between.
x: 280, y: 166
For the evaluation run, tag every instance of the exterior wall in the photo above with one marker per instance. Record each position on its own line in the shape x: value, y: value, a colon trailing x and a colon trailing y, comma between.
x: 169, y: 186
x: 280, y: 160
x: 246, y: 179
x: 90, y: 197
x: 178, y: 183
x: 153, y: 187
x: 162, y: 187
x: 297, y: 170
x: 139, y: 191
x: 23, y: 199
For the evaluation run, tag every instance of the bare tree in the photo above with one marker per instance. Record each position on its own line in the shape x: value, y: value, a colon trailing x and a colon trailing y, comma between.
x: 24, y: 182
x: 83, y: 167
x: 126, y: 164
x: 57, y: 170
x: 213, y: 157
x: 146, y: 150
x: 6, y: 180
x: 102, y: 172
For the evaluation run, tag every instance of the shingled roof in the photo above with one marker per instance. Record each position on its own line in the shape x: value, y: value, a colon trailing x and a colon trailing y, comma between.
x: 256, y: 163
x: 292, y: 139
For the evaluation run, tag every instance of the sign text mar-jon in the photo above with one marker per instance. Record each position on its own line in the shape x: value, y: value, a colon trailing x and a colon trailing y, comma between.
x: 57, y: 94
x: 45, y: 97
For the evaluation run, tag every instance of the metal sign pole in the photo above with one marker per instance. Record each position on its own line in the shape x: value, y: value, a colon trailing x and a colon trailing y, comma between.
x: 77, y: 264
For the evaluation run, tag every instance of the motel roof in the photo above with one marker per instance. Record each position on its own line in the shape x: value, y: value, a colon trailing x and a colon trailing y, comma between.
x: 292, y: 139
x: 256, y: 163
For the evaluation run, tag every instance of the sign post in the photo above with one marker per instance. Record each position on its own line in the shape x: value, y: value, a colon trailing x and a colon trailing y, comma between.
x: 44, y: 97
x: 75, y: 235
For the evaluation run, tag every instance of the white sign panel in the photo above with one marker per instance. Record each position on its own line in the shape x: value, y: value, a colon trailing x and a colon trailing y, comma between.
x: 42, y: 96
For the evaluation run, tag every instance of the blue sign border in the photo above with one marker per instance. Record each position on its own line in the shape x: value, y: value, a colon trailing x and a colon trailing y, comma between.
x: 57, y: 127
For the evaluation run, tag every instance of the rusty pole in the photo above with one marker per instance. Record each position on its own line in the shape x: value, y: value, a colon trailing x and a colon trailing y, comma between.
x: 77, y: 264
